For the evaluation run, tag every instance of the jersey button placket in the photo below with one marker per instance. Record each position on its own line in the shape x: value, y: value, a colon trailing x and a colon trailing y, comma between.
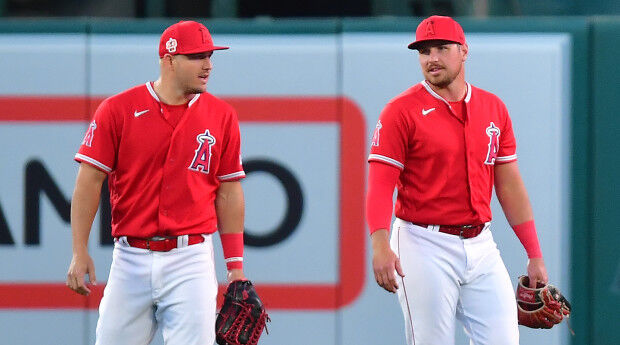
x: 165, y: 189
x: 470, y: 162
x: 471, y: 157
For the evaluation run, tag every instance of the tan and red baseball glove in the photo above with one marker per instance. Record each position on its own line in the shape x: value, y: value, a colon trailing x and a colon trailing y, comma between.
x: 541, y: 307
x: 242, y: 318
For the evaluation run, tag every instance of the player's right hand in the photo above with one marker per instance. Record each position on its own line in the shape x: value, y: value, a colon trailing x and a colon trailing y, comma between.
x: 80, y: 266
x: 385, y: 262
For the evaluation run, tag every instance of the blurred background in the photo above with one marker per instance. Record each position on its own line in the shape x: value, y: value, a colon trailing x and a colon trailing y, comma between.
x: 318, y: 8
x: 308, y: 80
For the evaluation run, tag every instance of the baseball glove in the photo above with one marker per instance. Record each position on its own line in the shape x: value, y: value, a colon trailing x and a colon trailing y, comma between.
x: 242, y: 318
x: 542, y: 307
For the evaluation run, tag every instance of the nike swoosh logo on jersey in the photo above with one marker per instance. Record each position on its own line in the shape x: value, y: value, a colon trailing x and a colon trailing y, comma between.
x: 136, y: 113
x: 425, y: 111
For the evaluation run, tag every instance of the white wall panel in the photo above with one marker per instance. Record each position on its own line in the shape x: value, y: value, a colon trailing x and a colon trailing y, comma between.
x: 529, y: 72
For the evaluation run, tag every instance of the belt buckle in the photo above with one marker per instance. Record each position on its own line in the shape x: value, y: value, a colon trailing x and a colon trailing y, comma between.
x: 463, y: 228
x: 155, y: 239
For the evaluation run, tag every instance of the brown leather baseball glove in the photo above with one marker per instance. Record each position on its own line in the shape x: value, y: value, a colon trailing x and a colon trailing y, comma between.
x: 541, y: 307
x: 242, y: 318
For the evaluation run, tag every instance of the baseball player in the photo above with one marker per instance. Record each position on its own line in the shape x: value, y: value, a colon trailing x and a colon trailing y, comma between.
x: 171, y: 152
x: 444, y: 144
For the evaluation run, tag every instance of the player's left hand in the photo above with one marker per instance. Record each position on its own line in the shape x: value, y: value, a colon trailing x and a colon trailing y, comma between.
x: 242, y: 318
x: 537, y: 272
x: 540, y: 307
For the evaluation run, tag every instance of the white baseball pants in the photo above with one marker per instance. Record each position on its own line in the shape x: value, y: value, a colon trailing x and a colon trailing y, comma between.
x: 175, y: 290
x: 449, y: 278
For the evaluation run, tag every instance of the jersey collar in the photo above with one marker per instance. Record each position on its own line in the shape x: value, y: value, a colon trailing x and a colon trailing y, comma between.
x: 434, y: 94
x: 149, y: 86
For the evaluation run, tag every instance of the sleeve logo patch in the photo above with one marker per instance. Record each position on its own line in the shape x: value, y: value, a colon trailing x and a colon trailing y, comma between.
x: 88, y: 138
x: 375, y: 136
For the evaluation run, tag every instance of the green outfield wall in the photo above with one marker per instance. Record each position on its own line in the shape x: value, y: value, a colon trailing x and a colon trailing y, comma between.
x: 602, y: 288
x: 594, y: 125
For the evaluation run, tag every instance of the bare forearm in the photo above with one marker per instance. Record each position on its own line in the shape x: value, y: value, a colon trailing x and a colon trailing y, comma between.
x: 516, y: 206
x: 230, y: 210
x: 512, y: 195
x: 84, y: 206
x: 230, y: 207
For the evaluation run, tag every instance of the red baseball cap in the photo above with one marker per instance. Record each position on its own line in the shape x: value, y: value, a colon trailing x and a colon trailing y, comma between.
x: 438, y: 28
x: 186, y: 37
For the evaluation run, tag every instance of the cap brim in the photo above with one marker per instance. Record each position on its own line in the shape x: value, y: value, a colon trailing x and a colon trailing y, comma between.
x: 415, y: 45
x: 202, y: 50
x: 220, y: 48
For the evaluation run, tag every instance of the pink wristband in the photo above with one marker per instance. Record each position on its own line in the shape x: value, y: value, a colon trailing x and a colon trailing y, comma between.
x: 232, y: 246
x: 526, y: 232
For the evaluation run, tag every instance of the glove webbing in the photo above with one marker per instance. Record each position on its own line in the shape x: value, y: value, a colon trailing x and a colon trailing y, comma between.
x: 245, y: 316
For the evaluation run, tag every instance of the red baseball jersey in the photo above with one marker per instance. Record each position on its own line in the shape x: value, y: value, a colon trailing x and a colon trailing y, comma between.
x: 163, y: 170
x: 446, y: 160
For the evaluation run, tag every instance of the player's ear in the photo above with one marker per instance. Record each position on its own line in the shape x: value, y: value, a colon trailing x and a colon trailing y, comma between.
x: 166, y: 61
x: 464, y: 51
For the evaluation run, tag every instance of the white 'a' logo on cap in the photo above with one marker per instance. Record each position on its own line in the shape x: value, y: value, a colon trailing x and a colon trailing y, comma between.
x: 171, y: 45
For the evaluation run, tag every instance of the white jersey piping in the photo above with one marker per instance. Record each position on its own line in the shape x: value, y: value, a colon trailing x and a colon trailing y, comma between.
x: 385, y: 159
x: 93, y: 162
x: 154, y: 95
x: 434, y: 94
x: 506, y: 158
x: 231, y: 176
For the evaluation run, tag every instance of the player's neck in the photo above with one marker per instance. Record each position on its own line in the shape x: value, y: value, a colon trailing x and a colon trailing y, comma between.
x: 453, y: 92
x: 168, y: 94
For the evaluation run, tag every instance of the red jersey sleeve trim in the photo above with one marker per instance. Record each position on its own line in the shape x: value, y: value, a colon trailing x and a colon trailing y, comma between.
x: 506, y: 159
x: 384, y: 159
x: 82, y: 158
x: 233, y: 176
